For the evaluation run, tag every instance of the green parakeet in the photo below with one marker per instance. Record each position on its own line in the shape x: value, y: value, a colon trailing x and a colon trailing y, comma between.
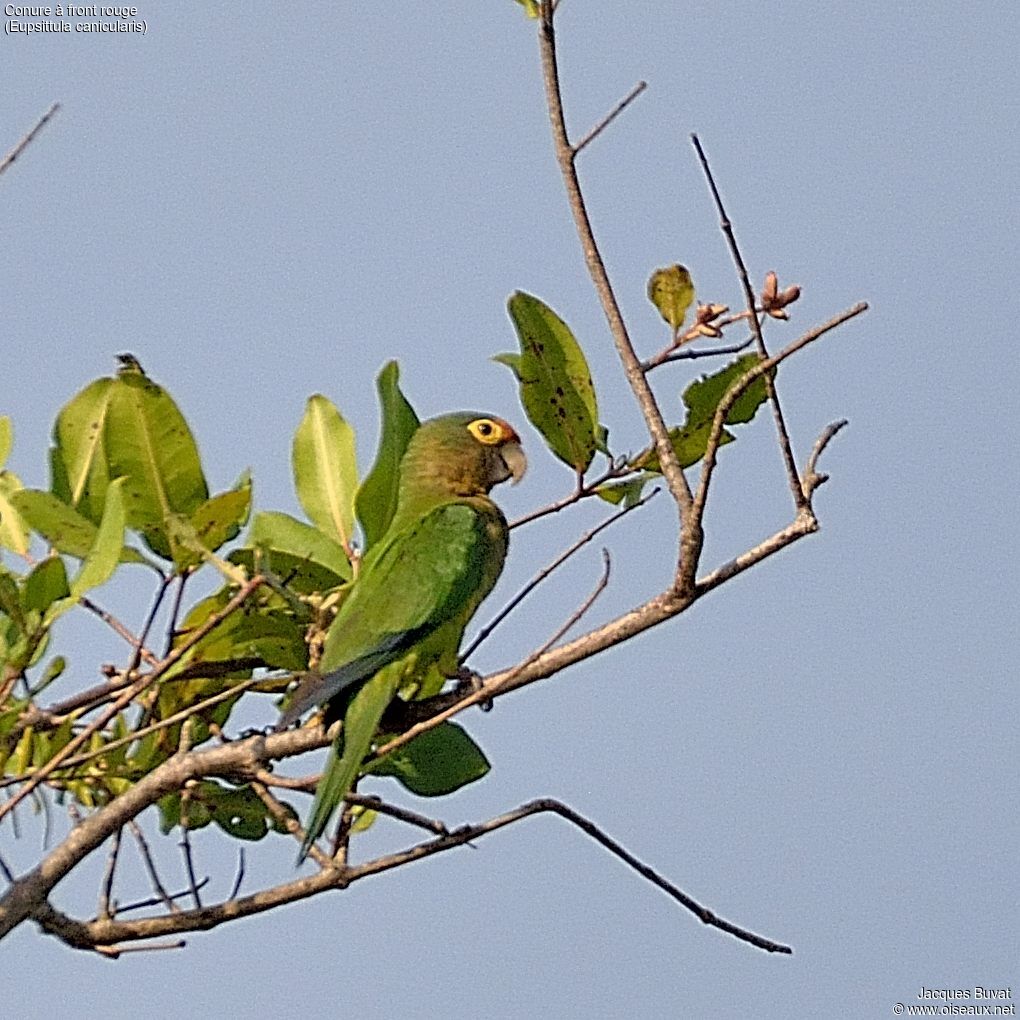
x: 416, y: 590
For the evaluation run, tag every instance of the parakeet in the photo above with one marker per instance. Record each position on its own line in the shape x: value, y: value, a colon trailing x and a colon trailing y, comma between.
x: 417, y: 588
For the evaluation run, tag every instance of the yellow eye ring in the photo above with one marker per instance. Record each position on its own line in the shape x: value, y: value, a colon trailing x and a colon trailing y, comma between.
x: 487, y: 431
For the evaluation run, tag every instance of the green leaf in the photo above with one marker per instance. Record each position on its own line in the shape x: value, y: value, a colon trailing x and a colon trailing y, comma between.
x: 13, y: 531
x: 6, y: 438
x: 301, y: 555
x: 671, y: 291
x: 701, y: 398
x: 148, y: 442
x: 376, y: 500
x: 10, y: 600
x: 45, y: 585
x: 628, y: 493
x: 188, y: 550
x: 99, y: 565
x: 325, y: 469
x: 266, y: 630
x: 78, y: 461
x: 555, y: 382
x: 220, y: 518
x: 435, y: 763
x: 62, y: 526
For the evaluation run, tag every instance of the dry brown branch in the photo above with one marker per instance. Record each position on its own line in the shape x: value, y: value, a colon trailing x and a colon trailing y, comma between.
x: 611, y: 116
x: 105, y: 932
x: 566, y: 158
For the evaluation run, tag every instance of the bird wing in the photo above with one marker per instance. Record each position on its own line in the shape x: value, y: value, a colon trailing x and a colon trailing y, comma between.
x: 438, y: 568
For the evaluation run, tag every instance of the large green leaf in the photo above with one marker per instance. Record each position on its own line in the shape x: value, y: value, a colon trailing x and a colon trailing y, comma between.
x: 78, y: 461
x: 13, y: 530
x: 326, y: 469
x: 435, y: 763
x: 377, y: 498
x: 555, y: 382
x: 149, y: 444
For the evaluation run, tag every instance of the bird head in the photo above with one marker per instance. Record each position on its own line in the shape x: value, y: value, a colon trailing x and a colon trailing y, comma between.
x: 465, y: 453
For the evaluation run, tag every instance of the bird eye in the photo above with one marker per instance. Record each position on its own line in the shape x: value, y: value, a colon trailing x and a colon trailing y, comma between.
x: 485, y: 431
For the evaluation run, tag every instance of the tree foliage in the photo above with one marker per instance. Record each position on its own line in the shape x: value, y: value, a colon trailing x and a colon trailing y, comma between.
x: 127, y: 494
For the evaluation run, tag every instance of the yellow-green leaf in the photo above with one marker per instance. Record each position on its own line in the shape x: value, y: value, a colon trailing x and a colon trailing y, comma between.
x: 13, y: 530
x: 671, y: 290
x: 325, y: 469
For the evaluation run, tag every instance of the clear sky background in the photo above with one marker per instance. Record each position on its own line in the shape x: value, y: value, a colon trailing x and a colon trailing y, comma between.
x: 263, y: 201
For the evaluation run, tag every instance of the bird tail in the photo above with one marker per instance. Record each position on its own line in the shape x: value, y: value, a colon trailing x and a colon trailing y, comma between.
x: 349, y: 749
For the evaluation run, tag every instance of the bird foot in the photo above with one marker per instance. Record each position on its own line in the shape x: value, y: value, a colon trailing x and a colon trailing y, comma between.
x: 470, y: 682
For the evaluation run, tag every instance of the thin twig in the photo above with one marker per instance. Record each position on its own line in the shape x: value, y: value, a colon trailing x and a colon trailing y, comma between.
x: 285, y: 819
x: 152, y: 901
x: 239, y: 877
x: 147, y: 626
x: 151, y: 947
x: 812, y: 478
x: 611, y: 116
x: 581, y: 491
x: 106, y: 897
x: 545, y: 572
x: 150, y: 867
x: 785, y: 446
x: 171, y: 627
x: 130, y: 693
x: 670, y: 354
x: 112, y: 621
x: 29, y: 138
x: 171, y: 720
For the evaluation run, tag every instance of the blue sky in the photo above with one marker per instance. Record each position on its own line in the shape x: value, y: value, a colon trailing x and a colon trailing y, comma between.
x: 263, y: 201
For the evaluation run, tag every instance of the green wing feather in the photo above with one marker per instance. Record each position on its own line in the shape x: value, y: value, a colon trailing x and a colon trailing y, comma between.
x: 393, y: 625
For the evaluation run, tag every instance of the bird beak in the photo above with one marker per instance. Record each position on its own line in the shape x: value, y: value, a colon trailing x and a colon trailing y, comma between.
x: 515, y: 461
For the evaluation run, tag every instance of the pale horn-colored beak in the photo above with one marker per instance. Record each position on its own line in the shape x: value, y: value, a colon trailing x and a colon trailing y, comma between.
x: 515, y: 460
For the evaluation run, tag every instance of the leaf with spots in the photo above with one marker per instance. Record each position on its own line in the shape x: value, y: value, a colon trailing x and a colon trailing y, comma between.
x: 555, y: 382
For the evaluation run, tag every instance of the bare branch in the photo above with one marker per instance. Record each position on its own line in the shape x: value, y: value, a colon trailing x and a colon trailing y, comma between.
x: 611, y: 116
x: 105, y: 932
x: 812, y: 479
x: 565, y: 157
x: 29, y: 138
